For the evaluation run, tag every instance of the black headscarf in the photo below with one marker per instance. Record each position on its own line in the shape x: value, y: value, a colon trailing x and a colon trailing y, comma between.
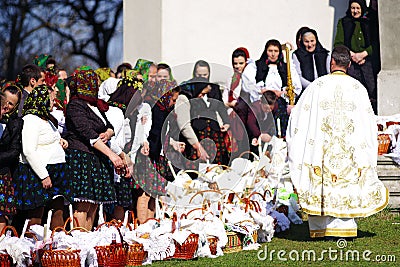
x: 349, y: 24
x: 193, y: 87
x: 362, y: 4
x: 126, y: 89
x: 38, y: 103
x: 306, y: 58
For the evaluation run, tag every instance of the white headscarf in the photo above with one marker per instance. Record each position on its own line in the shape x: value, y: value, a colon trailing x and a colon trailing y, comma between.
x: 107, y: 87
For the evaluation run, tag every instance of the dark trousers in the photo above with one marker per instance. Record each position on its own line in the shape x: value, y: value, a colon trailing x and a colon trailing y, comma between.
x: 365, y: 74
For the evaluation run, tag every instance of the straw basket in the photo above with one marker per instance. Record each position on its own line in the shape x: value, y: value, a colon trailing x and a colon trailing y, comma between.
x: 255, y: 236
x: 113, y: 255
x: 5, y: 259
x: 234, y: 243
x: 212, y: 243
x: 62, y: 257
x: 187, y: 250
x: 383, y: 143
x: 35, y: 254
x: 135, y: 253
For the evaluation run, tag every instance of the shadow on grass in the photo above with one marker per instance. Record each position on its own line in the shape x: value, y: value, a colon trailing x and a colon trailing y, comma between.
x: 297, y: 232
x: 300, y: 233
x: 361, y: 234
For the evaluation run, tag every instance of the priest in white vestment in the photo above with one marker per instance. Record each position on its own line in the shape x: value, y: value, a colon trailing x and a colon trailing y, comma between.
x: 332, y: 151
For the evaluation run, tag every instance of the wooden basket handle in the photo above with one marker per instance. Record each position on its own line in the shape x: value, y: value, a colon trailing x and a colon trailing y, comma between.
x: 249, y: 152
x: 76, y: 223
x: 231, y: 192
x: 32, y: 234
x: 257, y: 193
x: 203, y: 191
x: 192, y: 210
x: 112, y: 223
x: 78, y: 228
x: 217, y: 166
x: 191, y: 171
x: 265, y: 193
x: 152, y: 219
x: 134, y: 220
x: 53, y: 232
x: 9, y: 227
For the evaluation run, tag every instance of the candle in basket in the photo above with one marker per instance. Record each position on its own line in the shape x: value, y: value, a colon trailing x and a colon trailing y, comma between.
x: 71, y: 214
x: 47, y: 225
x: 126, y: 217
x: 45, y: 232
x: 25, y: 227
x: 278, y: 126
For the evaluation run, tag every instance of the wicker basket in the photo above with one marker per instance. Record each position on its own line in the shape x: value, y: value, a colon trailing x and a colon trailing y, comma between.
x: 213, y: 243
x: 113, y: 255
x: 187, y: 250
x: 383, y: 143
x: 234, y: 243
x: 255, y: 236
x: 135, y: 255
x: 35, y: 254
x: 60, y: 257
x: 5, y: 259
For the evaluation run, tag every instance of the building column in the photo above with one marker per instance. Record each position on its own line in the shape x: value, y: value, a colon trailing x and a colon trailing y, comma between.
x: 389, y: 76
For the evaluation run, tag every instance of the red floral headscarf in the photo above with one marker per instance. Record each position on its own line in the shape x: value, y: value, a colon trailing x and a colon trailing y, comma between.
x: 85, y: 85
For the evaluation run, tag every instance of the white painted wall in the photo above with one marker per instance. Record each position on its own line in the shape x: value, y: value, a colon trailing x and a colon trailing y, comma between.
x: 183, y: 31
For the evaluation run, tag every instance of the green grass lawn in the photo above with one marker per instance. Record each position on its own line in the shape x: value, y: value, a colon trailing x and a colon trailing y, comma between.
x: 379, y: 234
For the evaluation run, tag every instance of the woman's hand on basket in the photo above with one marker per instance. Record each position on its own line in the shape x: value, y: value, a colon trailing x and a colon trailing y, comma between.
x: 46, y: 182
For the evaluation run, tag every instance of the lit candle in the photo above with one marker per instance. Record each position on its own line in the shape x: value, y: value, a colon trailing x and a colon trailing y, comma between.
x: 278, y: 125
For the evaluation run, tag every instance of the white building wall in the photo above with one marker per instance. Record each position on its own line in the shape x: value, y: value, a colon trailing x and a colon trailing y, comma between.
x: 183, y: 31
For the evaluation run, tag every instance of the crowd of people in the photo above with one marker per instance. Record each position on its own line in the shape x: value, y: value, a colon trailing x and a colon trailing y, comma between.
x: 99, y: 137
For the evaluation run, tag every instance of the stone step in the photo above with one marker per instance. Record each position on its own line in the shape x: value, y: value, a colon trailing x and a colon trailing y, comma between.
x: 389, y: 174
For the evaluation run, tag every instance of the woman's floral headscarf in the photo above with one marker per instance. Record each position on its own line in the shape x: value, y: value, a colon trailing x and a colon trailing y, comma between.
x: 84, y: 85
x: 38, y: 103
x: 126, y: 88
x: 143, y: 66
x: 104, y: 73
x: 164, y: 94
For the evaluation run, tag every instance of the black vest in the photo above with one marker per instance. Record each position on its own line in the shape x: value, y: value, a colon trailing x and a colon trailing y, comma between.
x: 348, y: 29
x: 307, y: 65
x: 262, y: 71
